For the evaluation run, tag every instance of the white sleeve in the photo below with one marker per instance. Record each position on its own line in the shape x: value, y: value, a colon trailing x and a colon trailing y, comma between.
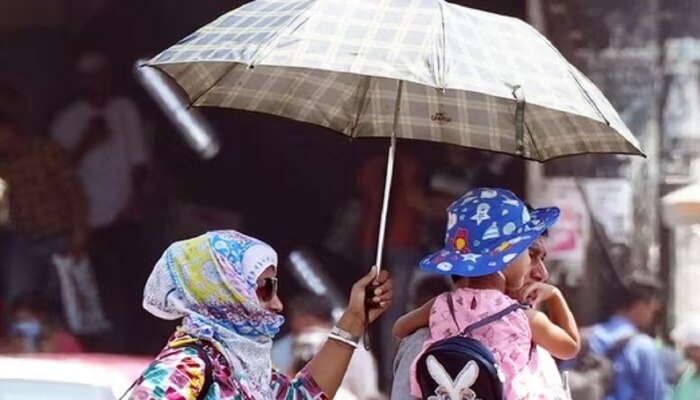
x: 362, y: 374
x: 136, y: 134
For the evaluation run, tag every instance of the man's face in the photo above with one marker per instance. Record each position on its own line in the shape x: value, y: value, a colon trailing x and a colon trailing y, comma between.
x: 538, y: 269
x: 538, y: 254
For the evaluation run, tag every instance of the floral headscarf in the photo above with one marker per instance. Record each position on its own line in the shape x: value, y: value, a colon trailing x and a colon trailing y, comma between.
x: 210, y: 281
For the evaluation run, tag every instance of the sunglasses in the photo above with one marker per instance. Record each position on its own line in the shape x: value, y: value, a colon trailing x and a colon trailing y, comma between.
x: 268, y: 289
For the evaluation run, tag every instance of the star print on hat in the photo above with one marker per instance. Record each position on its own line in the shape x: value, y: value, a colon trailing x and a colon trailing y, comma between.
x: 487, y: 229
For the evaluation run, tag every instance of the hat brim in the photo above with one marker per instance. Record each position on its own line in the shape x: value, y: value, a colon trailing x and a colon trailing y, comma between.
x: 450, y: 262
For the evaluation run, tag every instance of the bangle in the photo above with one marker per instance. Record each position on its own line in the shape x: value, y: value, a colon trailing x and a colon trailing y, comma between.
x: 342, y: 333
x: 343, y: 340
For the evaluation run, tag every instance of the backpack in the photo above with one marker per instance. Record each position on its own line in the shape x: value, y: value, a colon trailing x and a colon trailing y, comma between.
x: 461, y: 367
x: 593, y: 375
x: 198, y: 346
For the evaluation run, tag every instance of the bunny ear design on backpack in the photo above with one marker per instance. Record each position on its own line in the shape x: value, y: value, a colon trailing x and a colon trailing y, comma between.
x: 460, y: 388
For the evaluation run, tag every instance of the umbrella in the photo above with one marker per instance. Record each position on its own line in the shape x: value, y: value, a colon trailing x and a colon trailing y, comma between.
x: 410, y: 69
x: 682, y: 207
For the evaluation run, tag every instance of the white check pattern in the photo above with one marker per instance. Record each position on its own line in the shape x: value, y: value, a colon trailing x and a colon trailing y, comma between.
x: 337, y: 63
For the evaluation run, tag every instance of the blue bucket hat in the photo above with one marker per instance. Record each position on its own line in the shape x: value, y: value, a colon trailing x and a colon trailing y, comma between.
x: 487, y: 229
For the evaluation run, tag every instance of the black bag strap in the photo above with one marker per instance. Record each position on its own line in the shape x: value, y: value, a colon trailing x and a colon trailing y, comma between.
x: 208, y: 369
x: 490, y: 319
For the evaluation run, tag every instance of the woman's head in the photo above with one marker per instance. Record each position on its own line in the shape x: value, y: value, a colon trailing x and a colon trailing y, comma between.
x: 223, y: 279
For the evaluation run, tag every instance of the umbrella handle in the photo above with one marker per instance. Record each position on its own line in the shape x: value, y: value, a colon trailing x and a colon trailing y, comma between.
x: 385, y: 204
x: 388, y: 179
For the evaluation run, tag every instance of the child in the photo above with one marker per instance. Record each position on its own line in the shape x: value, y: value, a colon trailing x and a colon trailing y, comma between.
x: 489, y: 232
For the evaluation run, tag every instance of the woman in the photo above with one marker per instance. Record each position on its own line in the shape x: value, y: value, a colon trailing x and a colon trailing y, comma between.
x: 224, y: 286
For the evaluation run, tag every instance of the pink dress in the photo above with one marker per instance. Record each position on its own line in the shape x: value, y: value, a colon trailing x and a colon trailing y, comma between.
x: 509, y: 339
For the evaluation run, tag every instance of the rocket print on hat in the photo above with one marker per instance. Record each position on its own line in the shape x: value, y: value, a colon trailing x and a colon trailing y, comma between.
x: 526, y: 215
x: 492, y: 232
x: 482, y: 213
x: 461, y: 241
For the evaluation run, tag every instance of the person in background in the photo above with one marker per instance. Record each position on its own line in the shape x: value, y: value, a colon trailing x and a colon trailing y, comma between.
x: 47, y: 212
x: 687, y: 336
x: 31, y: 332
x: 639, y: 374
x: 402, y: 239
x: 105, y: 137
x: 311, y: 320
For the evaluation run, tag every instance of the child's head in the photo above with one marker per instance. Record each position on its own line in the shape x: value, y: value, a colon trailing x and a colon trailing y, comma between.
x: 489, y: 232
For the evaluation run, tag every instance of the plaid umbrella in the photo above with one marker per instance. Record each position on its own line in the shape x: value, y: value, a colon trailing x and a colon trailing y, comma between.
x: 412, y: 69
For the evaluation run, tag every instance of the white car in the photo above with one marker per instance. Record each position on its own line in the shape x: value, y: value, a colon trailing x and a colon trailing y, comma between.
x: 68, y: 377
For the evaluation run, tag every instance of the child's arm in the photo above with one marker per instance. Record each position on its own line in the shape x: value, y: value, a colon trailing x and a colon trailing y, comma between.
x: 413, y: 320
x: 558, y: 335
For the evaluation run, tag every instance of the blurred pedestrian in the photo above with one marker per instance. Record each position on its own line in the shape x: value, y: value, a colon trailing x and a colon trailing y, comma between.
x: 224, y: 287
x: 311, y: 321
x: 47, y: 212
x: 638, y: 371
x: 105, y: 136
x: 402, y: 244
x: 31, y: 330
x: 687, y: 335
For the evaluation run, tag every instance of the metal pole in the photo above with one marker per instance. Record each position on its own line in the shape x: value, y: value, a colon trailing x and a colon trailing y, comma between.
x: 388, y: 179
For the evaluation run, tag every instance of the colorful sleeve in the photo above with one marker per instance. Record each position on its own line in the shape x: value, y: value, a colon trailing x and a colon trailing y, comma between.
x: 301, y: 387
x: 176, y: 375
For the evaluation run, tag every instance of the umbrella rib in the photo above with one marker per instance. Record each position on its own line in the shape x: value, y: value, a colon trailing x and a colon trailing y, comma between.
x: 362, y: 90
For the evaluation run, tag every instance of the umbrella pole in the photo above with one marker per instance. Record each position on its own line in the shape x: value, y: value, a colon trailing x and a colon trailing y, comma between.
x: 388, y: 179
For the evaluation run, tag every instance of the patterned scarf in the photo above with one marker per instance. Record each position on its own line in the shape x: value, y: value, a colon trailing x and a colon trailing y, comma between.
x: 210, y: 282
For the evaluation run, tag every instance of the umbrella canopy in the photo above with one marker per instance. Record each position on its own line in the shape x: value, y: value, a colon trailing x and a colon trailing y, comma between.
x: 682, y: 207
x: 422, y: 69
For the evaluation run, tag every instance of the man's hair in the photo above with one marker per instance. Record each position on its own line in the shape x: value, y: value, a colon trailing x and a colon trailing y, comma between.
x: 635, y: 290
x: 427, y: 287
x: 309, y: 304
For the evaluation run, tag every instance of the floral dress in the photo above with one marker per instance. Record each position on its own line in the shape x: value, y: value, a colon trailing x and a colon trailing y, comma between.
x: 179, y: 374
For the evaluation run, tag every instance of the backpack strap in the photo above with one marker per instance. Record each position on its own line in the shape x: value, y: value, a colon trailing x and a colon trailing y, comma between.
x: 493, y: 318
x: 202, y: 354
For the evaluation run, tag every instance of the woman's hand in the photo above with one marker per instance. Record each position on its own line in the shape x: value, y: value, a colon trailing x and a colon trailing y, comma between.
x: 383, y: 296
